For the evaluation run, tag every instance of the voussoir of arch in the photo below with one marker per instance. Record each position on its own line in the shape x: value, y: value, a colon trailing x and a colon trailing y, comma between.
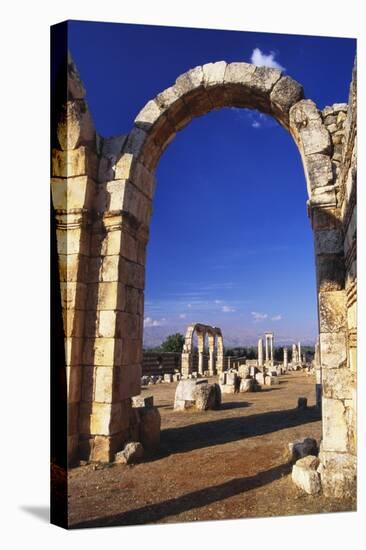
x: 222, y: 84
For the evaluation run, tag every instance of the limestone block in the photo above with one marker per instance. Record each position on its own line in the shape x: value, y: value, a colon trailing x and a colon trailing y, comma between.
x: 73, y: 295
x: 109, y: 271
x: 301, y: 448
x: 104, y: 385
x: 150, y: 423
x: 112, y: 146
x: 263, y: 80
x: 106, y: 296
x: 307, y: 127
x: 163, y: 132
x: 135, y: 141
x: 246, y: 385
x: 149, y: 115
x: 213, y: 73
x: 75, y: 125
x: 286, y: 92
x: 132, y: 274
x: 73, y: 322
x: 222, y: 378
x: 189, y: 81
x: 329, y: 272
x: 131, y: 352
x: 76, y: 162
x: 260, y: 378
x: 71, y: 193
x: 128, y: 325
x: 134, y: 300
x: 72, y: 241
x: 167, y: 98
x: 106, y: 323
x: 319, y: 169
x: 335, y: 437
x: 130, y: 380
x: 332, y: 311
x: 72, y: 267
x: 328, y: 242
x: 227, y: 388
x: 239, y: 73
x: 271, y: 380
x: 103, y: 351
x: 207, y: 396
x: 106, y: 418
x: 132, y: 453
x: 143, y: 401
x: 231, y: 378
x: 305, y: 476
x: 168, y: 378
x: 323, y: 196
x: 111, y: 244
x: 333, y: 350
x: 338, y: 474
x: 144, y: 180
x: 74, y: 382
x: 185, y: 390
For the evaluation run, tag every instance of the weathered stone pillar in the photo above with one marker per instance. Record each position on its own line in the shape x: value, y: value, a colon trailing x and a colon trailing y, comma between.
x: 285, y: 358
x: 187, y: 364
x: 260, y: 352
x: 220, y: 352
x: 299, y: 352
x: 271, y: 349
x: 267, y: 355
x: 294, y: 355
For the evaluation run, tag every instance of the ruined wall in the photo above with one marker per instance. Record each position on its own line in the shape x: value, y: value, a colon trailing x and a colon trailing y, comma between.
x: 155, y: 363
x: 338, y: 314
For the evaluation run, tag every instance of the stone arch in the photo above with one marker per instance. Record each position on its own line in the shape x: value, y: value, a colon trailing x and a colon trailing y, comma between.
x: 102, y: 192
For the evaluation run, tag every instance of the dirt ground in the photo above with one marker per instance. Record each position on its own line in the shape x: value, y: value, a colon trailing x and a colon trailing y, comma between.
x: 212, y: 465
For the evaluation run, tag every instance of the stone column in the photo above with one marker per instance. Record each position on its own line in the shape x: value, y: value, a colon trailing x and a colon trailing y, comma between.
x: 211, y: 362
x: 299, y: 352
x: 260, y: 352
x: 187, y: 364
x: 285, y: 358
x: 294, y: 355
x: 271, y: 349
x: 200, y: 362
x: 267, y: 356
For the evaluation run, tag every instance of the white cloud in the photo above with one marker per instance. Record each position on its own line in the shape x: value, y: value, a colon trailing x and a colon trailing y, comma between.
x: 218, y: 301
x: 263, y: 60
x: 149, y: 322
x: 259, y: 316
x: 276, y: 318
x: 182, y: 316
x: 256, y: 124
x: 228, y: 309
x: 189, y: 305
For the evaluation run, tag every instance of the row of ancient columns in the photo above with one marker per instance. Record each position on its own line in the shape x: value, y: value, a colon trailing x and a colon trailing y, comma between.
x: 269, y: 358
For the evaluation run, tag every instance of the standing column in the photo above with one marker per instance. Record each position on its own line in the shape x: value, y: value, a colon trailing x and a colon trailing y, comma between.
x: 211, y: 362
x: 266, y: 348
x: 200, y: 362
x: 299, y: 351
x: 294, y: 355
x: 285, y: 358
x: 271, y: 349
x: 260, y: 352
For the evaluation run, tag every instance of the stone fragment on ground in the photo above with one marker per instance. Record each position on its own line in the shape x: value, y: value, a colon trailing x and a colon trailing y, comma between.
x: 150, y: 423
x: 300, y: 449
x: 305, y: 475
x: 132, y: 452
x: 143, y: 401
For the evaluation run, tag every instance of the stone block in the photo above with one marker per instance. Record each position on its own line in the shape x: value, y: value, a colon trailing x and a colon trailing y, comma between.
x: 319, y: 169
x: 301, y: 448
x: 260, y: 378
x: 106, y: 296
x: 332, y: 311
x: 150, y: 423
x: 189, y: 81
x: 286, y: 92
x: 231, y: 378
x: 106, y: 418
x: 246, y: 385
x: 307, y: 127
x: 335, y: 429
x: 271, y: 380
x: 132, y: 453
x: 73, y: 295
x: 103, y: 351
x: 330, y: 272
x: 305, y: 476
x: 333, y: 348
x: 72, y: 241
x: 71, y: 193
x: 338, y: 474
x: 73, y: 163
x: 168, y: 378
x: 227, y: 388
x: 328, y: 242
x: 213, y: 73
x: 207, y: 396
x: 143, y: 401
x: 149, y: 115
x: 239, y: 73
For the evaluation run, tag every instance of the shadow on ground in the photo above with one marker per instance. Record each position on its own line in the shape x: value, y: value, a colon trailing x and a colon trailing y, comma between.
x: 216, y: 432
x: 197, y: 499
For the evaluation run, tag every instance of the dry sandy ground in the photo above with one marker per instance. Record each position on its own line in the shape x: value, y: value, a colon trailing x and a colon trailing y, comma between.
x: 223, y: 464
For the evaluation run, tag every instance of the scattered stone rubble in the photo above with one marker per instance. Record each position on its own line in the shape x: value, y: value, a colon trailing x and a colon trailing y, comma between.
x: 197, y: 394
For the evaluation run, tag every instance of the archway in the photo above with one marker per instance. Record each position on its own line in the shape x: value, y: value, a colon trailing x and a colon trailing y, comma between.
x: 109, y: 184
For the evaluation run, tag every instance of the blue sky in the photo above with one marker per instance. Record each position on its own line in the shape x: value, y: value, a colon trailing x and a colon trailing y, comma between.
x: 230, y: 244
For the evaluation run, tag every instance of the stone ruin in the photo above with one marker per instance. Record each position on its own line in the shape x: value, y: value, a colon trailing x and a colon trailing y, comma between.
x: 215, y: 348
x: 102, y: 193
